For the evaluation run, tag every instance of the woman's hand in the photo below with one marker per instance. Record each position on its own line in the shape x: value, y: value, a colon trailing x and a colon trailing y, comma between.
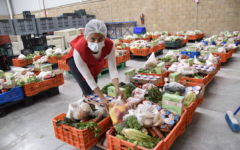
x: 105, y: 103
x: 118, y: 92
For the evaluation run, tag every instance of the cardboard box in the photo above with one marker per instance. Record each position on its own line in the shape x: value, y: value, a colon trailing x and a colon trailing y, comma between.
x: 2, y: 76
x: 46, y: 68
x: 189, y: 61
x: 160, y: 69
x: 37, y: 53
x: 10, y: 80
x: 175, y: 77
x: 205, y: 53
x: 212, y: 49
x: 140, y: 79
x: 129, y: 74
x: 173, y: 103
x: 111, y: 91
x: 192, y: 48
x: 176, y: 52
x: 37, y: 65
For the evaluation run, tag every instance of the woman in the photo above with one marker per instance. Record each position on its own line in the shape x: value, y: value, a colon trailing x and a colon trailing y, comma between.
x: 86, y: 59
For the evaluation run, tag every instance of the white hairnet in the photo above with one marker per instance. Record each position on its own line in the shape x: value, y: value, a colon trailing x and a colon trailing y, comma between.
x: 95, y: 26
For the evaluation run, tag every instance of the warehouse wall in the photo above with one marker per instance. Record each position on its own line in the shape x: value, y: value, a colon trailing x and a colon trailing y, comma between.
x: 172, y: 15
x: 4, y: 14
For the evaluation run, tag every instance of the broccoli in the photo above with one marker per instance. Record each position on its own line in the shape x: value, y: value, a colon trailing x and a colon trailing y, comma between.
x: 119, y: 127
x: 132, y: 122
x: 121, y: 137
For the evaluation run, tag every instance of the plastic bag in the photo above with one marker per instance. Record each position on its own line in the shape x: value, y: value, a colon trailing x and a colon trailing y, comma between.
x: 211, y: 60
x: 147, y: 86
x: 133, y: 101
x: 151, y: 62
x: 186, y: 70
x: 173, y: 68
x: 117, y: 109
x: 221, y: 50
x: 139, y: 93
x: 21, y: 56
x: 101, y: 110
x: 148, y: 116
x: 174, y: 87
x: 79, y: 110
x: 171, y: 54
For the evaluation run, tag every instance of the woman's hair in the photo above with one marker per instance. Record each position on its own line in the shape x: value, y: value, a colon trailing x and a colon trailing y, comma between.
x: 95, y: 26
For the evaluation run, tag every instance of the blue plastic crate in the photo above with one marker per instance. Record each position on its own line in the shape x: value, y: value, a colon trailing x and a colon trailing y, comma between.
x: 224, y: 43
x: 236, y: 43
x: 190, y: 54
x: 213, y: 43
x: 139, y: 30
x: 13, y: 95
x: 205, y: 42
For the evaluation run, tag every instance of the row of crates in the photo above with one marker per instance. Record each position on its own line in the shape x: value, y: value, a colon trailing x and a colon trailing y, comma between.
x: 42, y: 25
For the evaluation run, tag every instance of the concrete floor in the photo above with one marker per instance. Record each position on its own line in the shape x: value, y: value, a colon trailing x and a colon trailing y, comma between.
x: 31, y: 128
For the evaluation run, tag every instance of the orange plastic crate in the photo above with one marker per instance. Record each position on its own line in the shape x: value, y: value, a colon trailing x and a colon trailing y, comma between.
x: 116, y: 45
x: 81, y: 139
x: 149, y: 36
x: 106, y: 64
x: 121, y: 40
x: 127, y: 41
x: 146, y: 39
x: 21, y: 63
x: 219, y: 65
x: 193, y: 80
x: 35, y: 88
x: 190, y: 111
x: 155, y: 36
x: 64, y: 57
x: 4, y: 39
x: 184, y: 41
x: 117, y: 144
x: 199, y: 36
x: 224, y: 56
x: 55, y: 59
x: 141, y: 52
x: 154, y: 48
x: 180, y: 35
x: 192, y: 37
x: 126, y: 57
x: 62, y: 65
x: 37, y: 57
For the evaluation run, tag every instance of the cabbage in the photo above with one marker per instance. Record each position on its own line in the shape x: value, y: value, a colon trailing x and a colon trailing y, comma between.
x: 189, y: 98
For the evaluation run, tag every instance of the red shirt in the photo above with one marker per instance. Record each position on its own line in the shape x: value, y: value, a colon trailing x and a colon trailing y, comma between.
x: 81, y: 45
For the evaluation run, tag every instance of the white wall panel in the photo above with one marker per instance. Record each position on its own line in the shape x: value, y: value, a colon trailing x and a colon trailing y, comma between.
x: 32, y: 5
x: 3, y: 8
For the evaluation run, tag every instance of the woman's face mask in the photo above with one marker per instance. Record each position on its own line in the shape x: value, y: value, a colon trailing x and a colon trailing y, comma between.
x: 96, y: 42
x: 96, y: 47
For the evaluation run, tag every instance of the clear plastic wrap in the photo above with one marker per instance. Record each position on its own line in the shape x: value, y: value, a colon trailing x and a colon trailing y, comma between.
x: 117, y: 109
x: 211, y: 60
x: 139, y: 93
x: 174, y: 87
x: 79, y: 110
x: 151, y: 62
x: 148, y: 116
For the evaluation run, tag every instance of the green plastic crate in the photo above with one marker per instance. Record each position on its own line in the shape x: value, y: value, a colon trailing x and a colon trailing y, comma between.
x: 40, y: 48
x: 6, y: 51
x: 173, y: 44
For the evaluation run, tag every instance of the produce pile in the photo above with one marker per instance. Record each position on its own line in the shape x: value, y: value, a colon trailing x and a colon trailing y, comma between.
x: 82, y: 115
x: 146, y: 122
